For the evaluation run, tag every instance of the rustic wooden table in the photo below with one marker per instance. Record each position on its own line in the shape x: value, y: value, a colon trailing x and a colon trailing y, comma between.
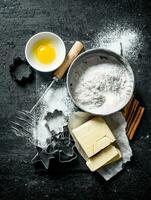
x: 72, y: 20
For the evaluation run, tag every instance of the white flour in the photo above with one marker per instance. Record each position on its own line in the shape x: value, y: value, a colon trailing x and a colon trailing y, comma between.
x: 101, y: 87
x: 53, y: 114
x: 112, y: 37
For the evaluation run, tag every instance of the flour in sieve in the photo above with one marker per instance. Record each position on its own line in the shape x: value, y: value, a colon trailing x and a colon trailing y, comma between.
x: 101, y: 87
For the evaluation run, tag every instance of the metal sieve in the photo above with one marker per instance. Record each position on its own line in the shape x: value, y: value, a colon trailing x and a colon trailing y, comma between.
x: 105, y: 54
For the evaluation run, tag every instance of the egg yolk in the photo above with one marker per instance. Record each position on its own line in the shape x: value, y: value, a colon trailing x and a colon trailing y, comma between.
x: 44, y: 51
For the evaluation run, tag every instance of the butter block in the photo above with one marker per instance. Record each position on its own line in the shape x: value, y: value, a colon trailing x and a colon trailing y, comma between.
x: 93, y: 136
x: 102, y: 158
x: 118, y: 157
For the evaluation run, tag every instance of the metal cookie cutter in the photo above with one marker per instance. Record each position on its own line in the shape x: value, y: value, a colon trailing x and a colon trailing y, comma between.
x: 60, y: 147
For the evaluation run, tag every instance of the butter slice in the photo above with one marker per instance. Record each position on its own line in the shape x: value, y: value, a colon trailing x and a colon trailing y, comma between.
x: 119, y: 156
x: 93, y: 136
x: 102, y: 158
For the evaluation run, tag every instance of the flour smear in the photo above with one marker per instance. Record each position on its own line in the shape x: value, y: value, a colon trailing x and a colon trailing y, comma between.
x: 131, y: 40
x: 53, y: 114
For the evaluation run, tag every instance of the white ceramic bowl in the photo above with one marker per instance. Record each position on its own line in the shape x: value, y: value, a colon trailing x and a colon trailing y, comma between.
x: 59, y: 48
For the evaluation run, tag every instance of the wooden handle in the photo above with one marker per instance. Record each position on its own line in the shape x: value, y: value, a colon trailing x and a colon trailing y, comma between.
x: 74, y: 51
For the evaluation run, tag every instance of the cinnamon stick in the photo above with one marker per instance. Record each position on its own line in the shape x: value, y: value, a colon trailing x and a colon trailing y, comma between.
x: 135, y: 123
x: 133, y: 105
x: 126, y: 109
x: 132, y: 115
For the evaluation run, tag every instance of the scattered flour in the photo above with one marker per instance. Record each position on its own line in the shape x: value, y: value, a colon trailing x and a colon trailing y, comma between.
x: 131, y: 40
x: 53, y: 114
x: 40, y: 134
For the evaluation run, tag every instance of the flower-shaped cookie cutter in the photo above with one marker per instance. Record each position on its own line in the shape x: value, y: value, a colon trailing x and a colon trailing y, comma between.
x: 21, y: 71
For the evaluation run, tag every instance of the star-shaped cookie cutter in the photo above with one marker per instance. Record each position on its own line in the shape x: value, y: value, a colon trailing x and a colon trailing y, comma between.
x: 64, y: 152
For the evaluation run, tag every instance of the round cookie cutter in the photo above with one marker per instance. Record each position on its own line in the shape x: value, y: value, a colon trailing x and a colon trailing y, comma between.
x: 104, y: 54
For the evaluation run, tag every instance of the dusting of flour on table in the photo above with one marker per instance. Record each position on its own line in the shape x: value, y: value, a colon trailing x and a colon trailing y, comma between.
x: 53, y: 113
x: 100, y: 85
x: 131, y: 39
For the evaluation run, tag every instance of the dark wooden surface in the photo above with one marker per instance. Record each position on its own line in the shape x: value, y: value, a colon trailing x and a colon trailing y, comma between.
x: 72, y: 20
